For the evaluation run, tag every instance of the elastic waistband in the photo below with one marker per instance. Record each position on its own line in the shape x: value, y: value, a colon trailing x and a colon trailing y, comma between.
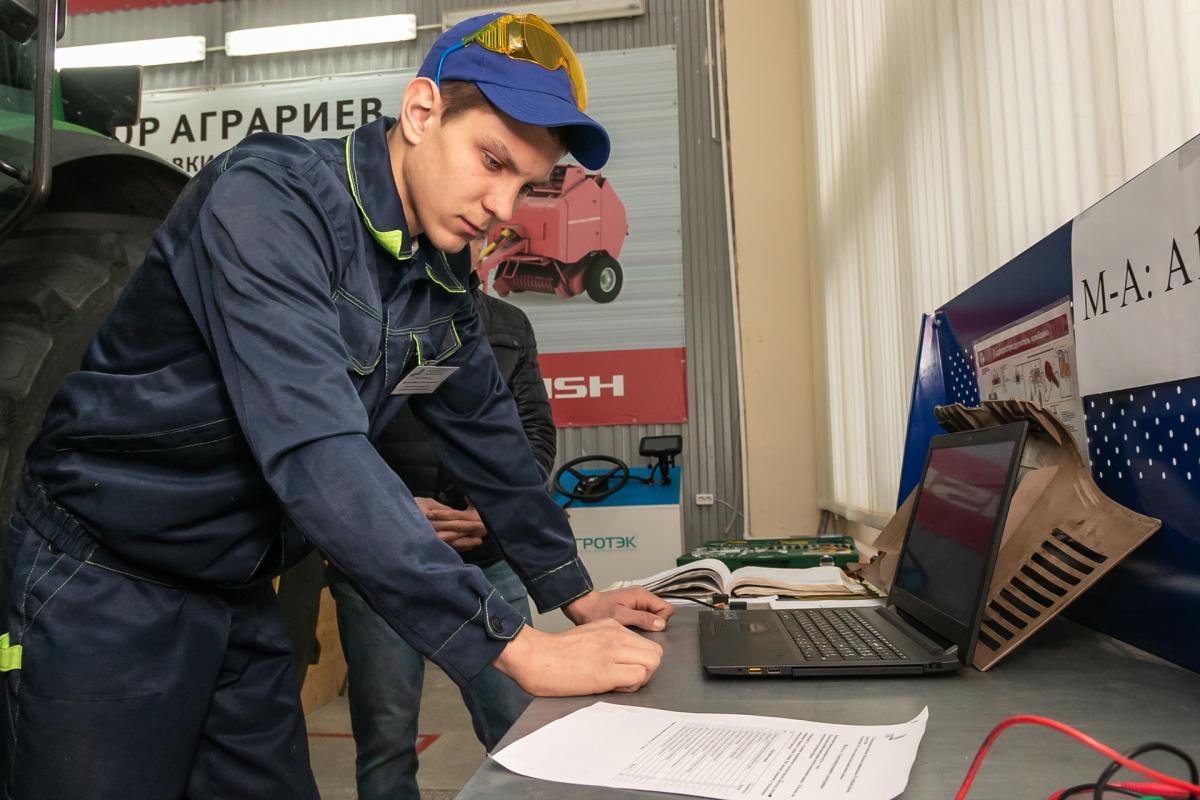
x: 64, y: 533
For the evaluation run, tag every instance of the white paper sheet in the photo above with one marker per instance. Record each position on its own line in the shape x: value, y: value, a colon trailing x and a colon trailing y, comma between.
x: 733, y: 756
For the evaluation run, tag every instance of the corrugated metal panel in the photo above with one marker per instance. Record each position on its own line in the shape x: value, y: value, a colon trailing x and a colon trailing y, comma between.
x: 711, y: 460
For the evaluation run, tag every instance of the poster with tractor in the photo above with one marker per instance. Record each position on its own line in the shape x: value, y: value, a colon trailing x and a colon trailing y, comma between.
x: 595, y: 260
x: 564, y: 239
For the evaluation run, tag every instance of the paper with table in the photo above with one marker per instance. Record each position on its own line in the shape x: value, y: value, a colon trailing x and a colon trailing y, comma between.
x: 719, y: 755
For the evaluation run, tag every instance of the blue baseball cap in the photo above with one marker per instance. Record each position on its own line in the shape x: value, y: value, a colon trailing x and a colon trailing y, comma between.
x: 523, y: 90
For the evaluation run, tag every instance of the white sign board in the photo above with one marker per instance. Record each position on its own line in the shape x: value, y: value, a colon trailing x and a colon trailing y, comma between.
x: 189, y: 126
x: 1135, y: 273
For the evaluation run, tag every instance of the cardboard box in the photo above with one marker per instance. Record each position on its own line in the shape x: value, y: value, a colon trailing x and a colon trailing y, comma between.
x: 324, y: 680
x: 1061, y: 536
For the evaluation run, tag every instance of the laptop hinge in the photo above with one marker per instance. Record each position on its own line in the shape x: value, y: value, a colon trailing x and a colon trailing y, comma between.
x: 923, y: 634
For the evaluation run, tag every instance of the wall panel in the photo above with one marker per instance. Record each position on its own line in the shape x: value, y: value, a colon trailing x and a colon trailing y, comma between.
x: 712, y: 445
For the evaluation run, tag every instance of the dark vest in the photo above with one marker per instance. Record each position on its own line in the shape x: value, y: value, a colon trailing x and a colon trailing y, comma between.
x: 405, y: 445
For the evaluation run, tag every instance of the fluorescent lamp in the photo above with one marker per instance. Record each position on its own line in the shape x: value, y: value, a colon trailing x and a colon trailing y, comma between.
x: 319, y: 35
x: 146, y: 52
x: 556, y: 11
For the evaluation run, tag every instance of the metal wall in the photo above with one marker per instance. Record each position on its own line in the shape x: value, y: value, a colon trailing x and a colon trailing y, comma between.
x: 711, y: 460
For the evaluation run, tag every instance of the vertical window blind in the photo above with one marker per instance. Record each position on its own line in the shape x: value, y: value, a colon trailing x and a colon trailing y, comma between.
x: 946, y: 138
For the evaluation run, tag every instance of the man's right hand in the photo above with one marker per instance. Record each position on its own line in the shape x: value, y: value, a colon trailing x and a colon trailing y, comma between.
x: 463, y: 530
x: 597, y: 657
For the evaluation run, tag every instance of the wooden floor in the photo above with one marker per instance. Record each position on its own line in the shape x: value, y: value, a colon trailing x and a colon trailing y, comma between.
x: 450, y: 756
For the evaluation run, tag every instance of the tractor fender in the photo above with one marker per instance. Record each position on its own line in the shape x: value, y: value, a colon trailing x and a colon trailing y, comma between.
x: 97, y: 174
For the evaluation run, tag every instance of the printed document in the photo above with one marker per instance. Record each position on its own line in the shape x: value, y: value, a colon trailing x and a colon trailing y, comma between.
x: 719, y: 755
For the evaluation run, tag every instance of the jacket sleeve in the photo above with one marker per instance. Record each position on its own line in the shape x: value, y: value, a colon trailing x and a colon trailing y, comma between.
x: 533, y: 405
x: 263, y: 259
x: 475, y: 428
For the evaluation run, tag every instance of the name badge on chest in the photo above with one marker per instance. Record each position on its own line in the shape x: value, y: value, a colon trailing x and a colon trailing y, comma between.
x: 423, y: 380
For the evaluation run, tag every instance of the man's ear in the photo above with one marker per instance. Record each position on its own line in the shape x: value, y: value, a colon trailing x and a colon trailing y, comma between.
x: 419, y: 109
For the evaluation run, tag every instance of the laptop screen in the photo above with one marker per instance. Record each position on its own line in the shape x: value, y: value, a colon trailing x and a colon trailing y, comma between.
x: 951, y: 542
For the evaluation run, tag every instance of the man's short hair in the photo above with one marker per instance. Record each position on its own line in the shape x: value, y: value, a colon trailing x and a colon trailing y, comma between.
x: 459, y: 97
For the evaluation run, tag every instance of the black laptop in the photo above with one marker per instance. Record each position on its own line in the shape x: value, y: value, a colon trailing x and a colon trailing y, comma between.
x: 931, y: 620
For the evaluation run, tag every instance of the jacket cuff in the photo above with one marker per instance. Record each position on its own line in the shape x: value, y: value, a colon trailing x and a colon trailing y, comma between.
x: 559, y: 586
x: 478, y: 641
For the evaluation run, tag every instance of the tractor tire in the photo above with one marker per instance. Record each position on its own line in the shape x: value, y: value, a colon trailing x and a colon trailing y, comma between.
x: 602, y: 277
x: 60, y: 276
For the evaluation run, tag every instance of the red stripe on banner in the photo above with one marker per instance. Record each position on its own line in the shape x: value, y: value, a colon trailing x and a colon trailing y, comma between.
x: 616, y: 387
x: 424, y: 740
x: 1025, y: 340
x: 99, y: 6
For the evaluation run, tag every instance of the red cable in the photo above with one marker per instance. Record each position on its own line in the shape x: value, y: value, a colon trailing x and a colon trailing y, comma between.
x: 1112, y: 755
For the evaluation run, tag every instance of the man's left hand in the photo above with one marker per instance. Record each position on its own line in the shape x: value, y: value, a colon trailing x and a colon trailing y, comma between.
x: 632, y: 606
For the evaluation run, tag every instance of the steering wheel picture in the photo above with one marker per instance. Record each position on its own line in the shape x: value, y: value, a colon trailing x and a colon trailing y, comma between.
x: 592, y: 488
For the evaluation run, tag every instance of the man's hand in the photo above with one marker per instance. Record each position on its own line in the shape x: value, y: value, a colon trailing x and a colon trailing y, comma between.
x: 462, y: 530
x: 632, y: 606
x: 593, y: 658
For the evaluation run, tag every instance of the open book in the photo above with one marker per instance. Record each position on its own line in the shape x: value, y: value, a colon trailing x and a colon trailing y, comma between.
x: 708, y: 576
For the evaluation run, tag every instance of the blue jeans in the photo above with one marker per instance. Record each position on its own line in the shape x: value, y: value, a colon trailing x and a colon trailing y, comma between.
x: 385, y: 677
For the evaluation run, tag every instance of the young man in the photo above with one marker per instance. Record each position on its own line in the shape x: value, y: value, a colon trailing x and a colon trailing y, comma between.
x: 298, y: 294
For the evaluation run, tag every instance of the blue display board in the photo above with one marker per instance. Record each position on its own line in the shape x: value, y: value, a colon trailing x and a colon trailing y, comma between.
x: 1143, y: 440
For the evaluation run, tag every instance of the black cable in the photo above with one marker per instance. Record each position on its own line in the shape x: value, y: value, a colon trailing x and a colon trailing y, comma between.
x: 1113, y: 768
x: 1090, y: 788
x: 686, y: 597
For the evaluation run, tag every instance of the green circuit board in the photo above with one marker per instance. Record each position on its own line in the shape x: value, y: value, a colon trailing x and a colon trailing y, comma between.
x: 802, y: 551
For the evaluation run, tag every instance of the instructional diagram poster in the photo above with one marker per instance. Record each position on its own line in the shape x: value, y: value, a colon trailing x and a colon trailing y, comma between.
x: 1034, y: 359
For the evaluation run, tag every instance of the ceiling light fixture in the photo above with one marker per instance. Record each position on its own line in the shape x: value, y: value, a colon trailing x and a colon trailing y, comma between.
x: 321, y: 35
x: 144, y: 52
x: 557, y: 11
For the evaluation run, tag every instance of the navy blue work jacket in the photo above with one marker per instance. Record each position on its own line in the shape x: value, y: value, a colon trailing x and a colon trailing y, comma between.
x: 233, y: 397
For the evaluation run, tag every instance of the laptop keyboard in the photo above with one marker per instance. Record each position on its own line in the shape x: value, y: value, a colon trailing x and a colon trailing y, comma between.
x: 837, y: 634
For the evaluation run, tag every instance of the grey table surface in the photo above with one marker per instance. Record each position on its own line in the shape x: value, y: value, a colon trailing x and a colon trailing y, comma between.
x: 1115, y: 693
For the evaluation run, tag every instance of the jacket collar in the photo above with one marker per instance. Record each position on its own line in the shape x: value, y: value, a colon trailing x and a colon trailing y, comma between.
x: 369, y: 172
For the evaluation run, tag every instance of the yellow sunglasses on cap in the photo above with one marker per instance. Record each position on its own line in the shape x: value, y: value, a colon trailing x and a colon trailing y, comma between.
x: 527, y: 37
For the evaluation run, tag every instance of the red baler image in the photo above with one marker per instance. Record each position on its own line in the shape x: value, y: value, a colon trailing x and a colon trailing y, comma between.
x: 564, y: 239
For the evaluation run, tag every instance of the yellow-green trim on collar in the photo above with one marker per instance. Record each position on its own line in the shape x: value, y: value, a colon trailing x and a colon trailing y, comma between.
x: 391, y: 241
x: 457, y: 287
x: 10, y: 655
